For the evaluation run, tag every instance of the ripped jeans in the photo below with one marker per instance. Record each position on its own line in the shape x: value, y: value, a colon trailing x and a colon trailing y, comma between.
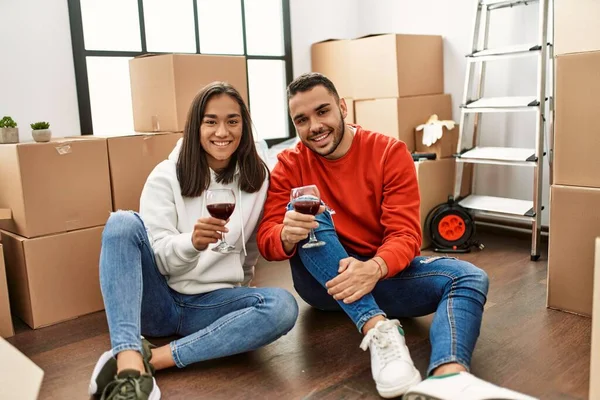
x: 452, y: 289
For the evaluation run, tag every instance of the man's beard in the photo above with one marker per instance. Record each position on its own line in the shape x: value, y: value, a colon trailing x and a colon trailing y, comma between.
x: 336, y: 139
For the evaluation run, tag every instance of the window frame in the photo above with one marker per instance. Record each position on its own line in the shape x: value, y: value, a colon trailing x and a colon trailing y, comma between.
x: 80, y: 53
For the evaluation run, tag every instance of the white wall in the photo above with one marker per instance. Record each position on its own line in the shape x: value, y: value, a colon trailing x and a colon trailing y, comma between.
x: 316, y: 20
x: 454, y: 21
x: 38, y: 78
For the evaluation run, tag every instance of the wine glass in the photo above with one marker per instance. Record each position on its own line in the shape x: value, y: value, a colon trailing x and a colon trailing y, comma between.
x: 220, y: 204
x: 307, y: 200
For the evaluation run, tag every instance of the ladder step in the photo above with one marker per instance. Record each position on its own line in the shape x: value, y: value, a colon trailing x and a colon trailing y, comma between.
x: 498, y: 4
x: 520, y: 50
x: 500, y: 155
x: 502, y: 104
x: 499, y: 205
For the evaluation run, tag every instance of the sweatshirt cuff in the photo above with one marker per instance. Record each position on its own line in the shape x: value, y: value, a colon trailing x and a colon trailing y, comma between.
x: 182, y: 244
x: 393, y: 262
x: 279, y: 250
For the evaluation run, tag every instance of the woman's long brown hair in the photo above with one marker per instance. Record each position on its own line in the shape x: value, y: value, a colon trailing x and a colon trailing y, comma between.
x: 193, y: 171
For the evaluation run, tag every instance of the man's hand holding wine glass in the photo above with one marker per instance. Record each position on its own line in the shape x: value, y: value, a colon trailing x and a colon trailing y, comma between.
x: 296, y: 227
x: 299, y: 223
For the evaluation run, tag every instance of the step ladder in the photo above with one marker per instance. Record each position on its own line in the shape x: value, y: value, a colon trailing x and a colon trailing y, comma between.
x: 474, y: 105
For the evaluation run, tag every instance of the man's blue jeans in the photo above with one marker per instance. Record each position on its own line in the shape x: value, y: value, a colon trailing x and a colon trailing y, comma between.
x: 452, y: 289
x: 214, y: 324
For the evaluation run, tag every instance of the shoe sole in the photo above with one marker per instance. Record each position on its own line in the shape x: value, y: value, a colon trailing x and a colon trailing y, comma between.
x: 155, y: 393
x: 389, y: 393
x: 419, y: 396
x: 93, y: 386
x: 422, y: 396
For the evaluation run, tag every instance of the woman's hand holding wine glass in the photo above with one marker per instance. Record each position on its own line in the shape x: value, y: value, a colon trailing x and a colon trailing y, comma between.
x: 220, y: 204
x: 206, y: 231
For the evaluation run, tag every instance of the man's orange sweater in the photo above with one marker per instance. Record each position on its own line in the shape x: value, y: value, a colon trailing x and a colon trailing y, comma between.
x: 372, y: 189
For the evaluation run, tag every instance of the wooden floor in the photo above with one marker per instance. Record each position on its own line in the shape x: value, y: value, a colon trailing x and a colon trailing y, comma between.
x: 523, y: 345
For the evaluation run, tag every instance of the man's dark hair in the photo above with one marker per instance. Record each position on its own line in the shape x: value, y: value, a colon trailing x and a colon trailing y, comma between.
x: 193, y: 171
x: 306, y: 82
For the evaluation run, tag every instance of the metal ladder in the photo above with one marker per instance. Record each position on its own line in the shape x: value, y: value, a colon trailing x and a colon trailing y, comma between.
x: 474, y: 105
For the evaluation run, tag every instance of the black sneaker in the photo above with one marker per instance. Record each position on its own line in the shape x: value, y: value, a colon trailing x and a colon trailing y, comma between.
x: 131, y: 385
x: 106, y: 369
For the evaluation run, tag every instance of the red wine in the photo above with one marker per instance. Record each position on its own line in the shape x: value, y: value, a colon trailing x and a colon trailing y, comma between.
x: 221, y: 210
x: 307, y: 206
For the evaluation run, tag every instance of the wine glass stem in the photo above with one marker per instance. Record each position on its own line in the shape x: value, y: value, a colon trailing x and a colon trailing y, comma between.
x: 313, y: 238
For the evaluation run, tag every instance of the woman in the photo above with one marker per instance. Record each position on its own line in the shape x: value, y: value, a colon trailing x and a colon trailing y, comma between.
x: 158, y: 273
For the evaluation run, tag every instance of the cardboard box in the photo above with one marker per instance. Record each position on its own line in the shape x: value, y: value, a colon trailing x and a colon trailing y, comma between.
x: 5, y: 214
x: 54, y: 187
x: 576, y: 26
x: 595, y: 353
x: 164, y: 86
x: 334, y: 59
x: 397, y: 66
x: 380, y: 66
x: 577, y: 127
x: 53, y: 278
x: 20, y: 378
x: 350, y: 119
x: 131, y: 159
x: 436, y: 183
x: 574, y: 227
x: 6, y: 326
x: 443, y: 148
x: 398, y: 117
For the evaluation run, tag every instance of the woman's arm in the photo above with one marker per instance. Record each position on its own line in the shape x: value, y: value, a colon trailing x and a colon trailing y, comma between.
x: 175, y: 254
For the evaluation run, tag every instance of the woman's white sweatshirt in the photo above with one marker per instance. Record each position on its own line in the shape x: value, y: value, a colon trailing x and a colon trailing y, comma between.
x: 170, y: 219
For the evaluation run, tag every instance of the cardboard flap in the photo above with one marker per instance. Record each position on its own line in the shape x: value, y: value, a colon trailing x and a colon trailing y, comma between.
x: 5, y: 213
x: 329, y: 40
x: 375, y: 34
x: 20, y: 378
x: 147, y: 55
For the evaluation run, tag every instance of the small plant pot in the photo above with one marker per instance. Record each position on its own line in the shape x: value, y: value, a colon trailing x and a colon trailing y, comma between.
x: 9, y: 135
x: 41, y: 135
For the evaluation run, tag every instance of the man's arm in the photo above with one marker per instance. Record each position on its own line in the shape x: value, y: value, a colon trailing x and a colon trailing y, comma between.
x: 400, y: 215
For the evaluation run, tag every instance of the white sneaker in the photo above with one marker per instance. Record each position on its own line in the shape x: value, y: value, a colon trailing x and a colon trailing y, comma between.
x: 461, y: 386
x: 391, y: 366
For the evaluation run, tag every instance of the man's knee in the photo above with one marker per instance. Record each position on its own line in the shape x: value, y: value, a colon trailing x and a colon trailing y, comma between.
x: 474, y: 277
x: 324, y: 220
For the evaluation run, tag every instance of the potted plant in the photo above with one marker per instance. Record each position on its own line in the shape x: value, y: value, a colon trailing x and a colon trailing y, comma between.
x: 9, y: 133
x: 40, y: 131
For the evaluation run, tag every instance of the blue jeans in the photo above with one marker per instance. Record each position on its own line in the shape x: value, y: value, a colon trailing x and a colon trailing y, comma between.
x: 214, y: 324
x: 452, y: 289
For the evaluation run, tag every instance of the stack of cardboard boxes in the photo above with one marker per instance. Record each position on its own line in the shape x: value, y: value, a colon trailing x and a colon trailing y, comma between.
x: 575, y: 193
x: 573, y: 257
x: 6, y: 326
x: 595, y: 345
x: 59, y: 194
x: 395, y: 83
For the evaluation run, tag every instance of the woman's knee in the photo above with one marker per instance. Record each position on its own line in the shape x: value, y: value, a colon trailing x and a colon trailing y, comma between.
x: 284, y: 312
x: 122, y: 224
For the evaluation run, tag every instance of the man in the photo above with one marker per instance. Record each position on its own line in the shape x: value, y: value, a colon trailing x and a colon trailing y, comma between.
x: 370, y: 266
